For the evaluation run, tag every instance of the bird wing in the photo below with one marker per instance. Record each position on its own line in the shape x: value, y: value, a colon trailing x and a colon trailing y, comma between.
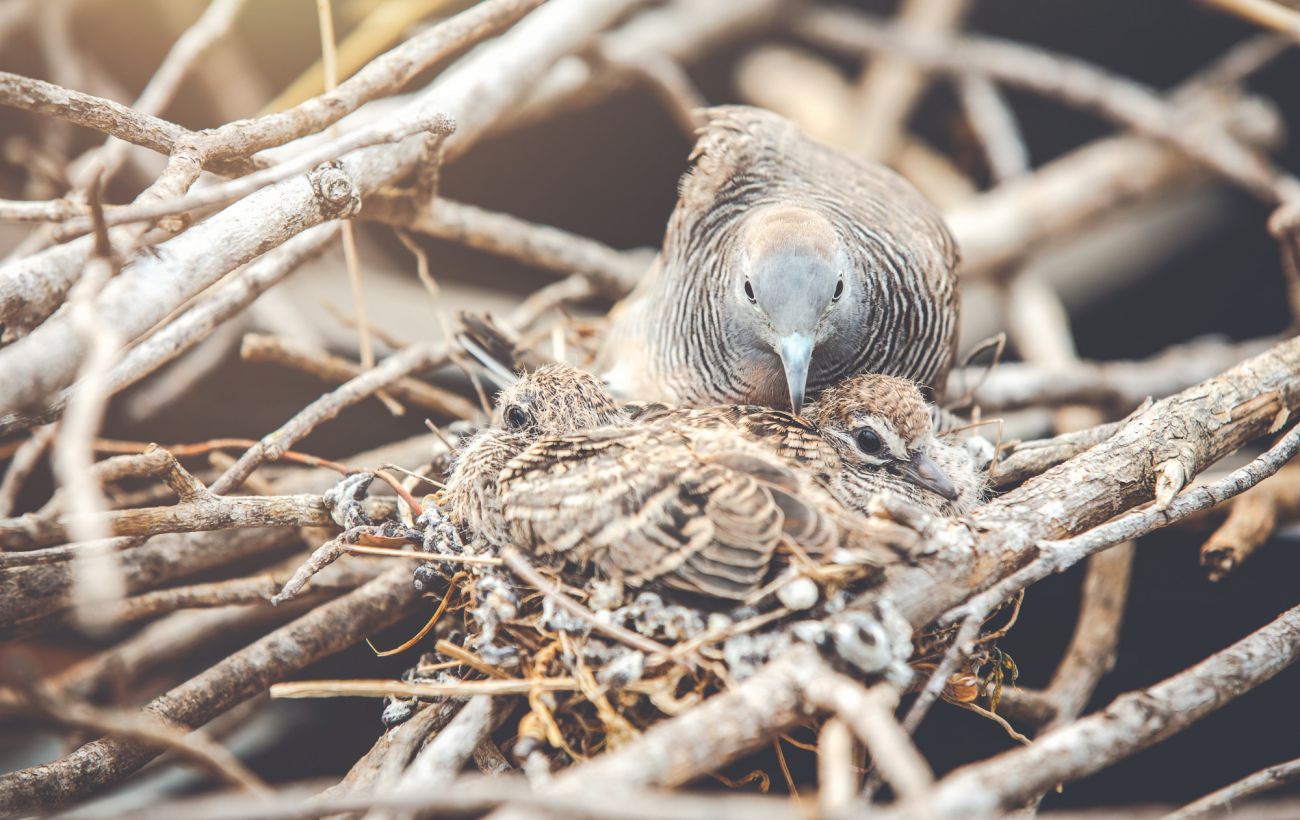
x: 647, y: 504
x: 776, y: 431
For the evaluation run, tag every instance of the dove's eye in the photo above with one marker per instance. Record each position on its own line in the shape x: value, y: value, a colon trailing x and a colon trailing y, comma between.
x: 868, y: 441
x: 516, y: 417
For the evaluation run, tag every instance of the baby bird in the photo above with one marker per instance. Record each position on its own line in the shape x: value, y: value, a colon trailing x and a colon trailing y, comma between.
x: 565, y: 473
x: 868, y: 435
x: 695, y: 511
x: 552, y: 400
x: 787, y: 266
x: 883, y: 430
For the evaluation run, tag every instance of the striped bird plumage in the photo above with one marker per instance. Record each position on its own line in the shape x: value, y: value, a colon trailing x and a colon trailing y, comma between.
x: 698, y: 500
x: 781, y: 246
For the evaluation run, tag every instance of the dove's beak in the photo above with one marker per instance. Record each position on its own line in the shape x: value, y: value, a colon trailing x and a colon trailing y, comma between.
x: 796, y: 354
x: 924, y: 472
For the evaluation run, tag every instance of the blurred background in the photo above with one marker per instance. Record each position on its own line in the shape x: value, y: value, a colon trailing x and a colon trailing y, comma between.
x: 1197, y: 260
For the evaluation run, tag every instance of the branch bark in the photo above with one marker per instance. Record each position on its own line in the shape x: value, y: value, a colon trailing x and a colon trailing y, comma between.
x: 324, y: 631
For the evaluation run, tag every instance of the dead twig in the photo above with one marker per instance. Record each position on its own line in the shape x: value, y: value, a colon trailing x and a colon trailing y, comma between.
x: 1129, y: 724
x: 325, y: 630
x: 1223, y: 799
x: 258, y: 347
x: 1252, y: 519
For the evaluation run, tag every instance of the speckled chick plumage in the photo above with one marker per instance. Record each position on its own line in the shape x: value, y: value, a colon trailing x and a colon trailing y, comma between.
x: 896, y: 411
x: 564, y: 473
x: 779, y: 241
x: 552, y: 400
x: 824, y: 441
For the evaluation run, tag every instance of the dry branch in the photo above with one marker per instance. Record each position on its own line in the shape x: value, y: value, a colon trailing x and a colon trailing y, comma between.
x: 890, y: 87
x: 329, y: 628
x: 258, y: 347
x: 613, y: 272
x: 29, y: 592
x: 1252, y: 519
x: 1072, y: 81
x: 140, y: 727
x: 213, y: 24
x: 1248, y: 786
x: 1131, y: 723
x: 471, y: 93
x: 1122, y: 385
x: 89, y: 111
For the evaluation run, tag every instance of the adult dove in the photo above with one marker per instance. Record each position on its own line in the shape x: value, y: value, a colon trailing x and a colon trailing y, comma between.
x: 786, y: 267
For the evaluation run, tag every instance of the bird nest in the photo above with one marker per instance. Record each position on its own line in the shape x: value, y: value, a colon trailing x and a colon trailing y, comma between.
x: 600, y: 663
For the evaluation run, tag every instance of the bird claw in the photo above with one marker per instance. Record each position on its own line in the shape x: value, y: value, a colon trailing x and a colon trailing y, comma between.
x: 439, y: 535
x: 346, y: 501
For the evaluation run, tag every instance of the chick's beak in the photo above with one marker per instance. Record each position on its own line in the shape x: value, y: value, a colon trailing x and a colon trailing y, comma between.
x: 924, y: 472
x: 796, y: 354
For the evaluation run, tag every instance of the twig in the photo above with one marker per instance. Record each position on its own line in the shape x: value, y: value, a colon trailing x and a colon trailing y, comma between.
x: 993, y: 122
x: 1252, y: 519
x: 870, y: 713
x: 474, y: 795
x: 329, y: 628
x: 1091, y: 652
x: 1263, y: 13
x: 257, y: 347
x: 29, y: 592
x: 25, y: 459
x: 669, y: 82
x: 97, y: 576
x: 471, y: 92
x: 1057, y: 556
x: 890, y: 86
x: 210, y: 28
x: 1030, y: 458
x: 439, y: 762
x: 1072, y: 81
x: 392, y: 752
x: 89, y: 111
x: 393, y: 688
x: 1120, y: 384
x: 613, y: 272
x: 704, y: 739
x: 519, y: 565
x: 1222, y: 800
x: 329, y: 63
x: 836, y: 775
x: 962, y: 646
x: 273, y: 445
x: 380, y: 133
x: 200, y: 512
x: 681, y: 31
x: 192, y: 745
x: 1129, y: 724
x: 254, y: 589
x: 30, y: 289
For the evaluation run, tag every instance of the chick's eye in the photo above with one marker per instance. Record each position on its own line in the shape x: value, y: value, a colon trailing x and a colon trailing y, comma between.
x: 516, y: 417
x: 749, y: 292
x: 839, y: 291
x: 868, y: 441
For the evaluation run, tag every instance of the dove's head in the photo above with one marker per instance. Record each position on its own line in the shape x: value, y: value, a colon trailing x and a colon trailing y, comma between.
x: 795, y: 292
x: 884, y: 423
x: 555, y: 399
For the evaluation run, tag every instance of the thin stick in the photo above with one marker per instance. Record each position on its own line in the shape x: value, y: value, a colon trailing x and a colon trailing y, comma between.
x: 98, y: 582
x: 1223, y: 799
x: 426, y: 629
x: 192, y: 745
x: 1265, y: 13
x: 520, y: 566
